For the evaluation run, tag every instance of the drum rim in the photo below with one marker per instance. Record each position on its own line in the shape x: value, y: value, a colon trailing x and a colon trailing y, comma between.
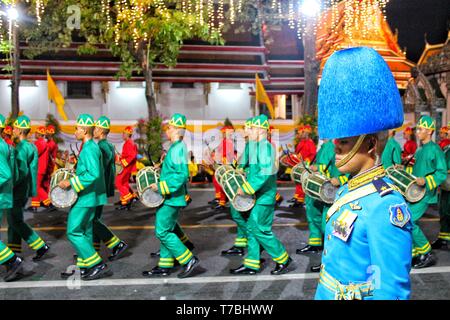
x: 413, y: 182
x: 253, y: 202
x: 145, y: 189
x: 62, y: 207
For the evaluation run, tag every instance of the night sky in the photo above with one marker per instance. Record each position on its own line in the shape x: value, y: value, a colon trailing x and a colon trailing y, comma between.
x: 414, y: 18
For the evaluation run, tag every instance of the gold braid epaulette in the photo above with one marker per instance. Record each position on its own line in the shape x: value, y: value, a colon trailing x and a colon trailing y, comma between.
x: 366, y: 178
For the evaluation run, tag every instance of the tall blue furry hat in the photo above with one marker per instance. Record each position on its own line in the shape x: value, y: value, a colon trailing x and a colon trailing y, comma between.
x: 357, y: 95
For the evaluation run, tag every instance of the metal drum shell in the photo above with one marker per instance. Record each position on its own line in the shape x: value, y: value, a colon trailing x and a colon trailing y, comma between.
x: 297, y: 172
x: 220, y: 172
x: 405, y: 188
x: 143, y: 189
x: 231, y: 190
x: 322, y: 184
x: 66, y: 174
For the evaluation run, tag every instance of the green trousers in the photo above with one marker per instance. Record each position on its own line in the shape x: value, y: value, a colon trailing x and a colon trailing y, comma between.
x: 102, y: 232
x: 314, y: 215
x: 171, y: 247
x: 80, y: 235
x: 5, y: 252
x: 420, y: 242
x: 180, y: 233
x: 259, y: 228
x: 241, y: 234
x: 18, y: 229
x: 444, y: 213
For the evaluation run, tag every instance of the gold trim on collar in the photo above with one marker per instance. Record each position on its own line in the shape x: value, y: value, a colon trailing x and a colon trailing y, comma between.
x: 366, y: 177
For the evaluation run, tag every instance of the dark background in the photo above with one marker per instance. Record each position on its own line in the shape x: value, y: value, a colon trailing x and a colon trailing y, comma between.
x: 414, y: 18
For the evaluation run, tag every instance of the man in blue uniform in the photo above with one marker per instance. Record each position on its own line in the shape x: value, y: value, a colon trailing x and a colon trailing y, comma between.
x: 368, y: 242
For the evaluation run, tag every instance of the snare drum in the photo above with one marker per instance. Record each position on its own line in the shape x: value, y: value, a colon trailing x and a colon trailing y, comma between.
x: 320, y: 188
x: 406, y: 183
x: 296, y: 173
x: 232, y: 181
x: 62, y: 198
x: 446, y: 184
x: 220, y: 171
x: 144, y: 178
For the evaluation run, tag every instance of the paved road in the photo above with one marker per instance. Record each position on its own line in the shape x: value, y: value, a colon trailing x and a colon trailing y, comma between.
x: 211, y: 233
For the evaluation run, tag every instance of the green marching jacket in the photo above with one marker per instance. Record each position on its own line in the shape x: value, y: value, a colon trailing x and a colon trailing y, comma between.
x: 89, y: 181
x: 25, y: 176
x: 108, y: 154
x: 6, y: 176
x: 174, y: 175
x: 262, y: 173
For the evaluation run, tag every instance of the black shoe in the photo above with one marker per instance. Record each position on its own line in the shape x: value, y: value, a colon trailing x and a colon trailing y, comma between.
x: 188, y: 202
x: 13, y: 267
x: 118, y: 250
x: 118, y: 203
x: 124, y: 207
x: 316, y: 268
x: 233, y: 251
x: 292, y: 200
x: 440, y: 244
x: 309, y: 249
x: 244, y: 270
x: 424, y: 261
x: 281, y: 268
x: 32, y: 209
x: 157, y: 272
x: 219, y: 208
x: 296, y: 204
x: 99, y: 271
x: 279, y: 201
x: 155, y: 254
x: 66, y: 275
x: 40, y: 252
x: 189, y: 267
x: 213, y: 202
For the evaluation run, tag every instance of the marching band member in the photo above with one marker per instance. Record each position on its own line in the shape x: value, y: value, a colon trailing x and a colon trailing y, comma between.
x: 7, y: 134
x: 409, y: 149
x: 306, y: 149
x: 89, y: 184
x: 172, y: 185
x: 367, y: 250
x: 128, y: 161
x: 444, y: 208
x: 392, y: 153
x: 262, y: 182
x: 8, y: 258
x: 101, y: 231
x: 25, y: 183
x: 42, y: 193
x: 443, y: 138
x: 52, y: 156
x: 430, y: 169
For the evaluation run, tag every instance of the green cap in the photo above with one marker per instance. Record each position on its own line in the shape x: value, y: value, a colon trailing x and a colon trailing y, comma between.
x: 248, y: 123
x: 85, y: 120
x: 178, y: 120
x: 261, y: 121
x: 22, y: 122
x: 103, y: 122
x: 427, y: 122
x: 2, y: 121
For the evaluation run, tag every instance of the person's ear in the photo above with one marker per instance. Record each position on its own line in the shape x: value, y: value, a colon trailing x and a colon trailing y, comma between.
x: 372, y: 145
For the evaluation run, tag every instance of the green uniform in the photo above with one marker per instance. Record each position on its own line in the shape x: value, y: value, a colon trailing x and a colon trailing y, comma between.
x: 101, y: 231
x: 172, y: 185
x: 262, y: 182
x: 316, y: 210
x: 392, y: 153
x: 26, y: 162
x: 89, y: 183
x: 6, y: 189
x: 444, y: 204
x: 430, y: 164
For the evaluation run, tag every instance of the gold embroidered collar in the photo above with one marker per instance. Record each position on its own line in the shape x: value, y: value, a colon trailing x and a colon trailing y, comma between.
x: 366, y: 177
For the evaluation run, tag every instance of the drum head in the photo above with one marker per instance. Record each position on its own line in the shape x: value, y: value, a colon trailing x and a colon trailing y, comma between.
x: 61, y: 198
x: 328, y: 192
x: 243, y: 203
x: 415, y: 193
x: 151, y: 199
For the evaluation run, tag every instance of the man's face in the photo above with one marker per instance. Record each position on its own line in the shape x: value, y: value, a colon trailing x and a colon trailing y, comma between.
x: 423, y: 133
x: 442, y: 134
x: 97, y: 133
x: 344, y: 146
x: 170, y: 132
x: 79, y: 133
x: 16, y: 132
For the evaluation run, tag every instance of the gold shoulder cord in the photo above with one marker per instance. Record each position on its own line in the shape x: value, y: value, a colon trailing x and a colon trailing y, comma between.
x: 352, y: 152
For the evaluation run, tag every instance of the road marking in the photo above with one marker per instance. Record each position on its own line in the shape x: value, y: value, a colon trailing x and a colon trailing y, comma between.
x: 193, y: 280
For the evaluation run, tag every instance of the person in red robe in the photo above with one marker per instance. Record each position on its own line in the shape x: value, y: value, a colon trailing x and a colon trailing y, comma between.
x: 443, y: 139
x: 52, y: 147
x: 409, y: 149
x: 7, y: 134
x: 128, y: 162
x: 306, y: 150
x: 42, y: 148
x: 223, y: 154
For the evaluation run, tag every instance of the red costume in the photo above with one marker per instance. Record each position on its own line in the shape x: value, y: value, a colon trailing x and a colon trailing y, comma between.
x: 306, y: 149
x: 128, y: 161
x: 224, y: 154
x: 42, y: 194
x: 52, y: 152
x: 409, y: 149
x: 445, y: 141
x: 7, y: 133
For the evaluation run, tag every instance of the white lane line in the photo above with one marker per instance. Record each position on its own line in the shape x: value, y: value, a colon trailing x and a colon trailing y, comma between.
x: 193, y: 280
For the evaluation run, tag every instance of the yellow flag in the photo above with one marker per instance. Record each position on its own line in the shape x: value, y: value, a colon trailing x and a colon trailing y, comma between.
x: 262, y: 97
x: 55, y: 95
